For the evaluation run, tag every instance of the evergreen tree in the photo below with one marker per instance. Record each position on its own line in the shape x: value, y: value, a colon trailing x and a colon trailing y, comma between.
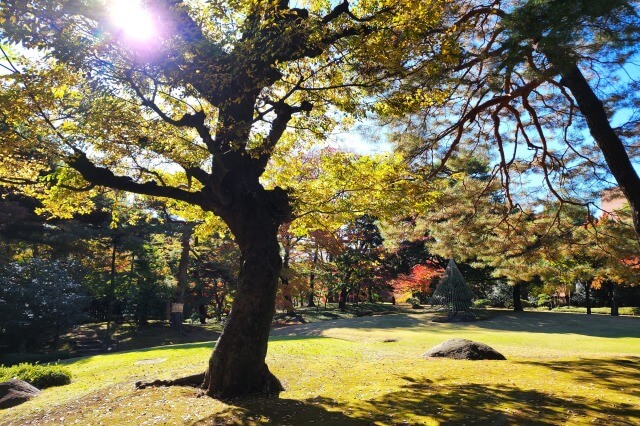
x: 39, y: 298
x: 213, y: 95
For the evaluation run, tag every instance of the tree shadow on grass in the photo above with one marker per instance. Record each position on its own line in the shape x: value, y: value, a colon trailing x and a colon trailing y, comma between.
x: 530, y: 322
x: 488, y: 404
x: 277, y: 411
x: 621, y: 374
x: 174, y: 348
x: 425, y: 402
x: 383, y: 322
x: 563, y: 323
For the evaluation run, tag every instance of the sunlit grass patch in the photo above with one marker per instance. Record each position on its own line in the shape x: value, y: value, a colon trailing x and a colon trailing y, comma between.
x: 561, y: 368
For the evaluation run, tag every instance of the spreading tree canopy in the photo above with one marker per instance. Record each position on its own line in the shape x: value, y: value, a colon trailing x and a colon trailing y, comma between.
x: 193, y: 110
x: 538, y: 82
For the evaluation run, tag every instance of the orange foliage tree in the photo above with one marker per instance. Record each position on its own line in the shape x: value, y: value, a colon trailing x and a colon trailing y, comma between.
x: 420, y: 282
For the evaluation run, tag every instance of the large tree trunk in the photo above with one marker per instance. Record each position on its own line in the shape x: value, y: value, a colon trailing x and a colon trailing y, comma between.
x: 112, y: 285
x: 237, y: 366
x: 614, y: 299
x: 177, y: 316
x: 587, y: 296
x: 284, y: 279
x: 312, y: 280
x: 517, y: 302
x: 202, y: 313
x: 342, y: 299
x: 608, y: 141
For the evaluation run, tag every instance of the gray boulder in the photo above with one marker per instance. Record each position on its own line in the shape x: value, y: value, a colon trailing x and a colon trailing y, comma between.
x: 464, y: 349
x: 15, y: 392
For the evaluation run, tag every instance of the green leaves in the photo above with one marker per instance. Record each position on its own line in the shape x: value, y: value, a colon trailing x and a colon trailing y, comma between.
x: 331, y: 188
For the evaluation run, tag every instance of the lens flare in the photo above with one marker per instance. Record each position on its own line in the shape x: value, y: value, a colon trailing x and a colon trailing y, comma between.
x: 133, y: 20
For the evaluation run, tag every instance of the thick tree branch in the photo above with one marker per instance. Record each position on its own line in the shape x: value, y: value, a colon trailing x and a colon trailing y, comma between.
x: 102, y: 176
x: 338, y: 10
x: 17, y: 181
x: 200, y: 175
x: 284, y: 112
x: 343, y: 9
x: 608, y: 141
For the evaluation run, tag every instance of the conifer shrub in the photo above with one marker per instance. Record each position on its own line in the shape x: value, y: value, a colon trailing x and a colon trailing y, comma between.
x: 40, y: 376
x: 481, y: 303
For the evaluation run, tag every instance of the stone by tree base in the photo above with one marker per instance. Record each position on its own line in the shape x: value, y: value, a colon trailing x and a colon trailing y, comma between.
x: 15, y: 392
x: 464, y: 349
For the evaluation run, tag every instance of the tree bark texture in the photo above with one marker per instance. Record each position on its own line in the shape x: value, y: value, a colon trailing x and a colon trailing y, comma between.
x: 614, y: 299
x: 517, y: 302
x: 112, y: 285
x: 312, y: 279
x: 284, y: 280
x: 608, y: 141
x: 587, y: 296
x: 182, y: 276
x: 237, y: 366
x: 342, y: 299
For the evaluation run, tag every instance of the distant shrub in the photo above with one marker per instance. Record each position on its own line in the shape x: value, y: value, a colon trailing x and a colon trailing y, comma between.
x: 38, y: 299
x: 526, y: 303
x: 40, y: 376
x: 481, y: 303
x: 413, y: 301
x: 544, y: 300
x: 501, y: 295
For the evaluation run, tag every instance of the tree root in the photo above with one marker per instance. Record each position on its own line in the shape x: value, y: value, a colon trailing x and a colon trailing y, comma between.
x: 194, y: 381
x: 270, y: 387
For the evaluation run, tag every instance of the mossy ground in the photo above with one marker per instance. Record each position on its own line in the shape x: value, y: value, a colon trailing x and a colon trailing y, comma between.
x: 561, y: 368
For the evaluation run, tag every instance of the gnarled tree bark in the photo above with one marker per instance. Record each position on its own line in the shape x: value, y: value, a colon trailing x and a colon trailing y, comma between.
x: 237, y: 365
x: 517, y: 301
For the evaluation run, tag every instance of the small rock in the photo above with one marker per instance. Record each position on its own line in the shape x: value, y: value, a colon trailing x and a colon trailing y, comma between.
x: 15, y: 392
x: 464, y: 349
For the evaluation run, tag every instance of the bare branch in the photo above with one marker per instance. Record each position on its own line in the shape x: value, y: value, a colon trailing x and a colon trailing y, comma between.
x: 187, y: 120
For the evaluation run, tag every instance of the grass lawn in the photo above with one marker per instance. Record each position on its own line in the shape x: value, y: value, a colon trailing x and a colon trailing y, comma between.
x: 561, y: 368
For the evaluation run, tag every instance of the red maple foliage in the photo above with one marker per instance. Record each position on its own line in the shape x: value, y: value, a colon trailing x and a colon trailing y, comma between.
x: 422, y: 280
